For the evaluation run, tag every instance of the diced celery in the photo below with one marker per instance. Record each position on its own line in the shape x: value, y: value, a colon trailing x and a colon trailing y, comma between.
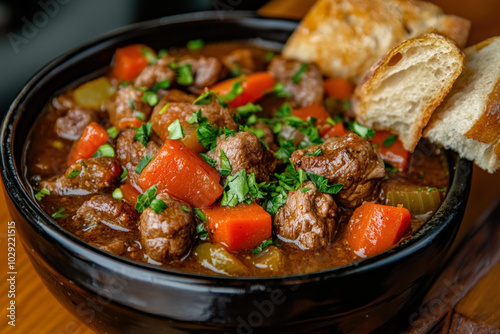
x: 215, y: 257
x: 417, y: 201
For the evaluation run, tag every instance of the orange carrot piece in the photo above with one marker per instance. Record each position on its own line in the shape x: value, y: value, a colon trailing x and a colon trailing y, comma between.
x: 337, y: 130
x: 92, y: 137
x: 244, y: 226
x: 254, y: 87
x: 395, y: 153
x: 338, y: 88
x: 180, y: 172
x: 374, y: 228
x: 314, y: 110
x: 129, y: 61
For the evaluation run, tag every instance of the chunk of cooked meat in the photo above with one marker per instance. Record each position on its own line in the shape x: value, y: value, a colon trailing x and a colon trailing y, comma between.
x: 245, y: 61
x: 167, y: 235
x: 245, y: 151
x: 308, y: 219
x: 104, y: 209
x: 206, y: 71
x: 309, y: 88
x: 350, y: 160
x: 130, y: 151
x: 124, y: 104
x: 155, y: 73
x: 71, y: 125
x: 215, y: 113
x: 90, y: 176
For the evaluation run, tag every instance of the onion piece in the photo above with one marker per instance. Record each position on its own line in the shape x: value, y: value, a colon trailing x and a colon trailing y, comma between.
x: 216, y: 258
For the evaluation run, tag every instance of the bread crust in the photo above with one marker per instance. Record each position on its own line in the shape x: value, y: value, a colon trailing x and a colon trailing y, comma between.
x: 362, y: 99
x: 345, y: 37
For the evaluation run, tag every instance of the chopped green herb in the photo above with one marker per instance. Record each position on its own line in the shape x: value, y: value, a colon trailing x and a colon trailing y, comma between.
x: 74, y: 173
x: 200, y: 215
x: 139, y: 115
x: 248, y: 108
x: 317, y: 152
x: 345, y: 105
x: 158, y: 205
x: 385, y: 178
x: 175, y: 130
x: 195, y: 44
x: 106, y: 150
x: 442, y: 190
x: 162, y: 53
x: 322, y: 184
x: 298, y: 75
x: 145, y: 160
x: 151, y: 98
x: 264, y: 244
x: 304, y: 190
x: 361, y: 130
x: 269, y: 56
x: 375, y: 146
x: 201, y: 231
x: 164, y: 108
x: 124, y: 83
x: 184, y: 75
x: 112, y: 132
x: 164, y: 84
x: 185, y: 208
x: 209, y: 160
x: 279, y: 90
x: 196, y: 117
x: 224, y: 164
x: 431, y: 188
x: 123, y: 175
x: 59, y: 213
x: 236, y: 70
x: 131, y: 103
x: 330, y: 121
x: 389, y: 140
x: 143, y: 133
x: 117, y: 193
x: 285, y: 150
x: 236, y: 90
x: 39, y: 195
x: 150, y: 55
x: 390, y: 168
x: 228, y: 132
x: 204, y: 98
x: 144, y: 200
x: 236, y: 189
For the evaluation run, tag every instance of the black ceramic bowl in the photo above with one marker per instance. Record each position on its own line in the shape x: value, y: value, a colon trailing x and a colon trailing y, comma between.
x: 114, y: 295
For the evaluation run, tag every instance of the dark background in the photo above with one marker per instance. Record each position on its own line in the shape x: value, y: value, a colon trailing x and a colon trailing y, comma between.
x: 33, y: 32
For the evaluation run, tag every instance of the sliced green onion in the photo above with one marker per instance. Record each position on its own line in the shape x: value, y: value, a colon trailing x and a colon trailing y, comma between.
x: 117, y: 193
x: 107, y: 150
x: 59, y: 213
x: 158, y: 205
x: 112, y: 132
x: 39, y: 195
x: 74, y: 173
x: 195, y: 44
x: 298, y: 75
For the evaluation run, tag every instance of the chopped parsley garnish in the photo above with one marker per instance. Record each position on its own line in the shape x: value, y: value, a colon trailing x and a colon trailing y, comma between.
x: 139, y: 115
x: 236, y: 70
x: 149, y: 54
x: 285, y: 150
x: 442, y: 190
x: 209, y: 160
x: 389, y: 140
x: 175, y: 130
x: 224, y: 164
x: 164, y: 108
x: 330, y: 121
x: 322, y: 184
x: 123, y: 175
x: 124, y: 83
x: 269, y: 56
x: 145, y: 160
x: 131, y: 103
x: 291, y: 179
x: 200, y: 228
x: 162, y: 53
x: 264, y: 244
x: 59, y: 213
x: 185, y: 208
x: 236, y: 90
x: 39, y: 195
x: 200, y: 215
x: 317, y: 152
x: 431, y: 188
x: 74, y: 173
x: 235, y: 189
x: 151, y: 98
x: 158, y: 205
x: 112, y: 132
x: 143, y: 133
x: 361, y: 130
x: 206, y: 132
x: 117, y: 193
x: 144, y: 200
x: 298, y: 75
x: 390, y: 168
x: 184, y: 75
x: 195, y: 44
x: 279, y: 90
x: 204, y: 98
x: 248, y: 109
x: 304, y: 190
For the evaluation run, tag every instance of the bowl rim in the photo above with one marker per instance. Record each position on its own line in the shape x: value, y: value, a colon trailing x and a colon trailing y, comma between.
x: 14, y: 186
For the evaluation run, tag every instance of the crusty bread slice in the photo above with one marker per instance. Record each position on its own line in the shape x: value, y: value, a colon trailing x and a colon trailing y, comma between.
x: 346, y: 37
x: 468, y: 120
x: 401, y: 91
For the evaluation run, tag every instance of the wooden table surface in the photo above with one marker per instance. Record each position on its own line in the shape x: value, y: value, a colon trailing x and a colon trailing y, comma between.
x: 465, y: 298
